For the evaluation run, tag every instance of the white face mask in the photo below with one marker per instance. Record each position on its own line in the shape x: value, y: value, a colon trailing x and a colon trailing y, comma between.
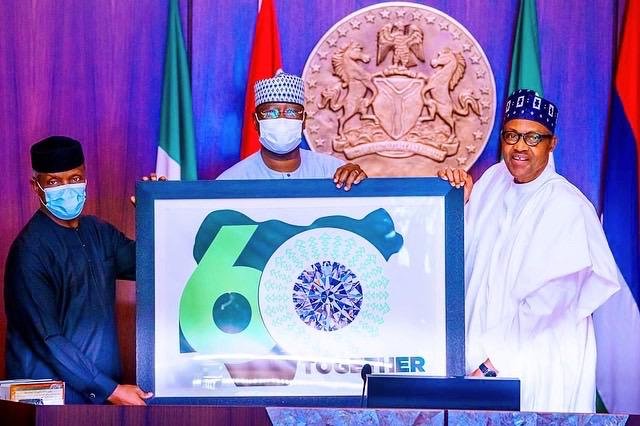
x: 280, y: 135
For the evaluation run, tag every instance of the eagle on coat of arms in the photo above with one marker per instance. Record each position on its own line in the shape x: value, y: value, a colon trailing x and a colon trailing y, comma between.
x: 405, y: 40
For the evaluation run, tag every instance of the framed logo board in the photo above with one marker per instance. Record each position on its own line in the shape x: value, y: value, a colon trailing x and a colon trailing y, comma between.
x: 278, y: 292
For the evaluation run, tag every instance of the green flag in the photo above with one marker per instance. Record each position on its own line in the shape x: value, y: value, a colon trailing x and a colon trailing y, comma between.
x: 525, y: 62
x: 176, y: 147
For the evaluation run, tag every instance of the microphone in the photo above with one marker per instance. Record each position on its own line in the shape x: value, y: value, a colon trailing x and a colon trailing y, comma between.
x: 366, y: 370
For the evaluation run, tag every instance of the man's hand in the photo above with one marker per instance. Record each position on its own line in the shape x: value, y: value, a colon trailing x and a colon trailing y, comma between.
x: 152, y: 176
x: 129, y: 395
x: 458, y: 178
x: 478, y: 373
x: 347, y: 175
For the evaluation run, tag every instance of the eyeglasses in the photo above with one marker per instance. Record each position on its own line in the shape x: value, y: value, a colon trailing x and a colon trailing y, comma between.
x: 286, y: 112
x: 511, y: 137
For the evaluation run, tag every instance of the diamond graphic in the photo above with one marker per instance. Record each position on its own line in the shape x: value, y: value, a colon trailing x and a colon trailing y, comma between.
x: 304, y: 328
x: 327, y: 296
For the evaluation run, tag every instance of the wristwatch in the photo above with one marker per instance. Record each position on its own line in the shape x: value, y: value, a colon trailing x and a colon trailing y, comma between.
x: 487, y: 371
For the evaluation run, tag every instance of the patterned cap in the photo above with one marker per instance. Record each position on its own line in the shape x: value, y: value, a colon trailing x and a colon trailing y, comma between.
x: 528, y: 105
x: 282, y: 87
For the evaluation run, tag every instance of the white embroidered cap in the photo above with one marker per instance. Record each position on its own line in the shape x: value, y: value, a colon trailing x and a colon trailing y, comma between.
x: 282, y: 87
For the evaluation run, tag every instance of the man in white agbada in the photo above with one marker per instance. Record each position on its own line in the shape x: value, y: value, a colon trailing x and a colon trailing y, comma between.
x: 537, y: 265
x: 279, y: 119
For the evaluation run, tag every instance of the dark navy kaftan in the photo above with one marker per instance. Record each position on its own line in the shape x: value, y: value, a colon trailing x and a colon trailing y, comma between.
x: 60, y: 304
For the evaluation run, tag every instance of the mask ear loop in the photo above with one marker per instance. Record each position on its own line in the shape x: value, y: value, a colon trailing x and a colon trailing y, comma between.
x: 38, y: 183
x: 43, y: 192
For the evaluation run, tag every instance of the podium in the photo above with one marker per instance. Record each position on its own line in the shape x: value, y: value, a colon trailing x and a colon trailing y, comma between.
x: 458, y: 393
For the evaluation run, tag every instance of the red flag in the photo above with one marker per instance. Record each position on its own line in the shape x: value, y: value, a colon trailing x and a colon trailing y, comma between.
x: 265, y: 61
x: 617, y: 322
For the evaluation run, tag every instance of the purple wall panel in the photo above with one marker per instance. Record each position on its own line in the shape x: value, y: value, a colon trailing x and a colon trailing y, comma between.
x: 93, y: 70
x: 222, y: 39
x: 577, y: 40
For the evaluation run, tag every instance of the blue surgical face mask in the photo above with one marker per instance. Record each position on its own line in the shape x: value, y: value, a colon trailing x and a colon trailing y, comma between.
x: 280, y: 135
x: 65, y: 201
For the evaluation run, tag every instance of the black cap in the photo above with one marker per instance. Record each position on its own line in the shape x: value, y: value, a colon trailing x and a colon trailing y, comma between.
x: 56, y: 154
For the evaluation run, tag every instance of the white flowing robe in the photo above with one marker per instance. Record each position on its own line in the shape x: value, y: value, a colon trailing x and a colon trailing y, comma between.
x: 537, y: 265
